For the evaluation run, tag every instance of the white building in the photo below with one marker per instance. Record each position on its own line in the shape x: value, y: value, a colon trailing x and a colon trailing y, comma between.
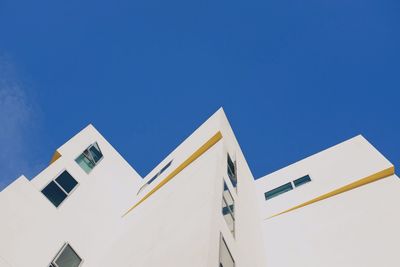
x: 202, y: 207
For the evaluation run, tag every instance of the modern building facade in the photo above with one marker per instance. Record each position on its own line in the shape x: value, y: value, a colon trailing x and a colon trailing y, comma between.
x: 202, y: 207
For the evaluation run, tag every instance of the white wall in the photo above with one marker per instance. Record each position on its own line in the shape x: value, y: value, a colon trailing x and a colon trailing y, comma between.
x: 180, y: 224
x: 32, y: 230
x: 358, y: 228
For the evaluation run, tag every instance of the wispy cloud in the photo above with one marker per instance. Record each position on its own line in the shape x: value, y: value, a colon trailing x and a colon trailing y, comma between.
x: 16, y: 115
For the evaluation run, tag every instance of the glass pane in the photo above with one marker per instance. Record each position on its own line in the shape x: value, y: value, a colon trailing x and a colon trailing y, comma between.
x: 165, y: 167
x: 232, y: 171
x: 277, y: 191
x: 85, y: 163
x: 303, y: 180
x: 159, y: 173
x: 225, y: 257
x: 228, y: 200
x: 68, y: 258
x: 230, y: 222
x: 227, y: 209
x: 95, y: 152
x: 152, y: 179
x: 231, y: 165
x: 54, y: 193
x: 228, y: 206
x: 66, y: 181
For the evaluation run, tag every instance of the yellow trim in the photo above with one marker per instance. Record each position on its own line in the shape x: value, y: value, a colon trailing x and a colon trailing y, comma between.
x: 212, y: 141
x: 369, y: 179
x: 55, y: 157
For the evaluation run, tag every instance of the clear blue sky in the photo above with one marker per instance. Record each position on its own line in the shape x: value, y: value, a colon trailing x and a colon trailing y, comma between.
x: 294, y: 77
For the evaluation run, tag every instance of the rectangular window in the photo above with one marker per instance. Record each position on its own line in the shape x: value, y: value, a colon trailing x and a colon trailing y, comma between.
x: 67, y: 257
x: 232, y: 171
x: 58, y: 189
x: 302, y: 180
x: 279, y: 190
x: 228, y: 209
x: 225, y: 256
x: 90, y: 157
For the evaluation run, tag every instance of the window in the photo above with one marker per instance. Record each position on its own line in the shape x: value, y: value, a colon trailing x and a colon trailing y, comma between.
x: 155, y: 176
x: 58, y: 189
x: 279, y: 190
x: 67, y: 257
x: 159, y: 173
x: 287, y: 187
x: 228, y: 209
x: 302, y: 180
x: 225, y: 256
x: 232, y: 171
x: 90, y: 157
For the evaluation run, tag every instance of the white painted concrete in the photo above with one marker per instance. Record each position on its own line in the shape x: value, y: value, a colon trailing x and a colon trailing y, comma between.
x: 181, y: 223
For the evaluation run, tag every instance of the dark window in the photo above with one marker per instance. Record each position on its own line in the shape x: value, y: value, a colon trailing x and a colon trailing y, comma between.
x: 227, y: 209
x: 54, y: 193
x: 95, y: 152
x: 66, y: 181
x: 152, y: 179
x: 165, y: 167
x: 303, y: 180
x: 277, y: 191
x: 232, y: 171
x: 155, y: 176
x: 67, y: 257
x: 58, y: 189
x: 160, y: 172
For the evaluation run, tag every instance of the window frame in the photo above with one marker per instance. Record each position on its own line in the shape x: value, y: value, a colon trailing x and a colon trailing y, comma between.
x: 90, y: 156
x: 234, y: 181
x: 62, y: 189
x: 279, y: 192
x: 222, y: 241
x: 152, y: 179
x: 305, y: 179
x: 53, y: 261
x: 230, y: 212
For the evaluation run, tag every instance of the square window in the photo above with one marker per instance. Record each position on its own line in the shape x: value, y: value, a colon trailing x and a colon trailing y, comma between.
x: 86, y: 164
x: 90, y: 157
x: 66, y: 181
x: 58, y: 189
x: 54, y: 193
x: 67, y: 258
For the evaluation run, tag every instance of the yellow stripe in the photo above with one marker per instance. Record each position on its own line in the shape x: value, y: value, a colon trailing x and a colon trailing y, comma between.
x: 212, y: 141
x: 55, y: 157
x: 369, y: 179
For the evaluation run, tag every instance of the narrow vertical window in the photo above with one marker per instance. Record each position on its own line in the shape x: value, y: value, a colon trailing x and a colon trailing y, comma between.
x: 225, y: 256
x: 90, y: 157
x: 232, y: 171
x: 228, y: 209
